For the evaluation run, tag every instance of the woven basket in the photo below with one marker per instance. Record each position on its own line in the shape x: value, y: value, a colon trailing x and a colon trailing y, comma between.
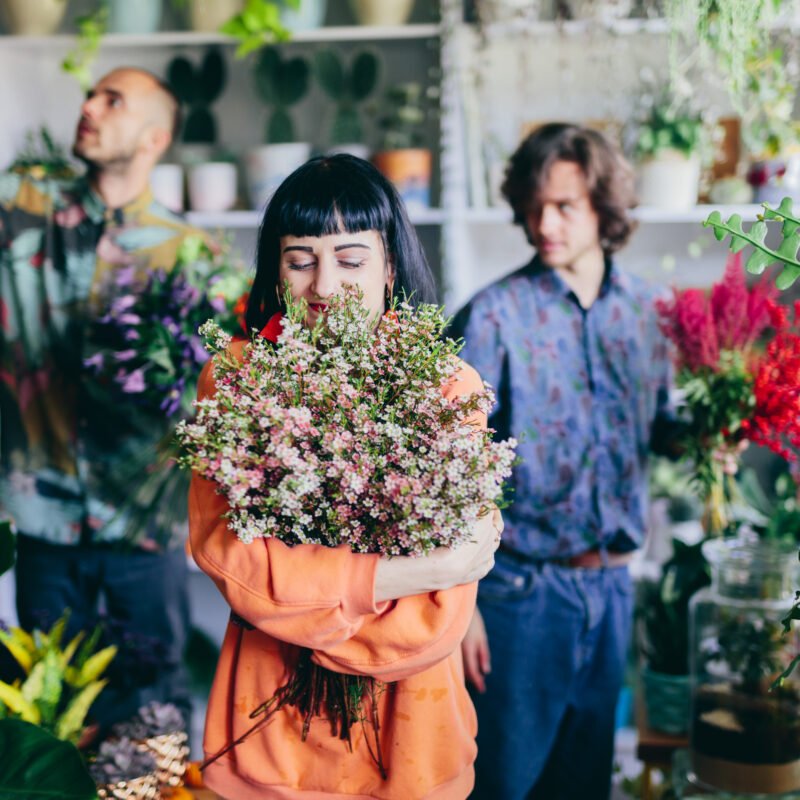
x: 144, y: 788
x: 170, y: 752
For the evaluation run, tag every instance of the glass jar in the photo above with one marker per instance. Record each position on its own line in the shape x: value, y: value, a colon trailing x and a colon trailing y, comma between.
x: 745, y: 735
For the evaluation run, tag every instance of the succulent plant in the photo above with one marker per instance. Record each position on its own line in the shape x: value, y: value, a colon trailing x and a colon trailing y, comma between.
x: 154, y: 719
x: 347, y: 88
x: 281, y: 83
x: 197, y: 89
x: 120, y: 760
x: 60, y: 683
x: 403, y: 116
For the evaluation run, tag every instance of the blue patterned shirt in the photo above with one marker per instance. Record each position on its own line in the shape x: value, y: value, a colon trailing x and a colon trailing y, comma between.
x: 584, y: 390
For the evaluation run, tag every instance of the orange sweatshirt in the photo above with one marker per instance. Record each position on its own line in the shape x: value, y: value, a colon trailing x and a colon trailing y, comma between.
x: 323, y: 598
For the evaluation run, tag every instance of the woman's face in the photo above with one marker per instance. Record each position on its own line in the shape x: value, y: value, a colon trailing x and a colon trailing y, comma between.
x: 317, y: 267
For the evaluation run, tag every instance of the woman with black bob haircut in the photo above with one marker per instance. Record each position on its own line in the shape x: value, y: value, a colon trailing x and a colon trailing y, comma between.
x: 337, y: 194
x: 400, y: 621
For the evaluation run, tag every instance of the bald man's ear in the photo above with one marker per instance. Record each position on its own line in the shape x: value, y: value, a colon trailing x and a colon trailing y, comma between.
x: 158, y: 140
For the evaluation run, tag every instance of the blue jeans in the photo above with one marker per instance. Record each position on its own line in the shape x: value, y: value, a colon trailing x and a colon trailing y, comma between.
x: 558, y: 638
x: 146, y: 601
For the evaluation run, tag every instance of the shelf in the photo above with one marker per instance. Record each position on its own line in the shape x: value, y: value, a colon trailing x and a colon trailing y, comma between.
x: 346, y: 33
x: 644, y: 214
x: 250, y: 220
x: 580, y: 27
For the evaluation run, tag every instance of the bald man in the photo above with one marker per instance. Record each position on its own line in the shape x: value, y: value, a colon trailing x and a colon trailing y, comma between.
x: 67, y: 249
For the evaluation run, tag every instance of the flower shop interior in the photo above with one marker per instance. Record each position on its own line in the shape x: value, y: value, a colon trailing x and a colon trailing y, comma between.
x: 700, y: 96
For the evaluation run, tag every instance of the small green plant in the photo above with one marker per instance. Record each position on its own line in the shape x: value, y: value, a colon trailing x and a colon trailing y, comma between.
x: 348, y: 89
x: 60, y: 684
x: 402, y: 116
x: 197, y: 89
x: 762, y: 255
x: 42, y: 157
x: 281, y: 84
x: 79, y: 61
x: 670, y: 128
x: 663, y: 609
x: 258, y: 24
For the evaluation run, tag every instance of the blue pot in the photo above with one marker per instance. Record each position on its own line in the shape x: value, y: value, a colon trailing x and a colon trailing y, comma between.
x: 142, y: 16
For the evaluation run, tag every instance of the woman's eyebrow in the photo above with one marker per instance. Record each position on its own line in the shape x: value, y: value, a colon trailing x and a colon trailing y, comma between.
x: 348, y: 246
x: 303, y: 249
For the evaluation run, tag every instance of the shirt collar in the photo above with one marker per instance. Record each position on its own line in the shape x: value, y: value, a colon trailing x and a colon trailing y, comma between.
x: 99, y: 212
x: 550, y: 286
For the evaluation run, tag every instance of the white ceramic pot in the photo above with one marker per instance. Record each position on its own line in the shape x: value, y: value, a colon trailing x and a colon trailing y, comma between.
x: 208, y: 15
x: 32, y: 17
x: 382, y: 12
x: 143, y: 16
x: 310, y: 15
x: 670, y: 181
x: 269, y: 165
x: 166, y: 183
x: 212, y: 186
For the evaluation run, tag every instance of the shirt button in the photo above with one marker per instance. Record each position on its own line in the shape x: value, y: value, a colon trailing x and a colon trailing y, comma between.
x: 519, y: 581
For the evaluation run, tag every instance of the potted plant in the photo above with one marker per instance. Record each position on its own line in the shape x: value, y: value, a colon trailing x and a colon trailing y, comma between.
x: 32, y: 17
x: 125, y: 771
x: 281, y: 83
x: 305, y: 15
x: 663, y: 634
x: 159, y: 729
x: 669, y: 144
x: 257, y: 25
x: 381, y: 12
x: 401, y: 157
x: 209, y: 16
x: 745, y: 731
x: 42, y: 157
x: 348, y: 88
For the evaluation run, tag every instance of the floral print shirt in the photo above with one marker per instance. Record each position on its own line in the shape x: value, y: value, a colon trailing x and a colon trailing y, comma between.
x: 584, y: 390
x: 58, y: 245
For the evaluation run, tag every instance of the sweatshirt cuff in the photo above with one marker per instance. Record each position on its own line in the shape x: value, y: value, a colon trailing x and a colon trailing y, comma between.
x: 358, y: 588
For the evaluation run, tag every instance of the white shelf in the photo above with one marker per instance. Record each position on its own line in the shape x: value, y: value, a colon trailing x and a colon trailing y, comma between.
x: 346, y: 33
x: 250, y: 220
x: 580, y: 27
x: 644, y: 214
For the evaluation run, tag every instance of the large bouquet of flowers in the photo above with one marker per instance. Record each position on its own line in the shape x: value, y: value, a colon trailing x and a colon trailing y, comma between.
x: 144, y: 356
x: 341, y: 434
x: 738, y: 361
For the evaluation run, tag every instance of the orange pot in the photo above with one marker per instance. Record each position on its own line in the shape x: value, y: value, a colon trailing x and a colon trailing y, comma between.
x: 410, y: 171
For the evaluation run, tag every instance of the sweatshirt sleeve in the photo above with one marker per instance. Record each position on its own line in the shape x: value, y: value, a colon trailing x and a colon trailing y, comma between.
x: 308, y: 595
x: 323, y: 598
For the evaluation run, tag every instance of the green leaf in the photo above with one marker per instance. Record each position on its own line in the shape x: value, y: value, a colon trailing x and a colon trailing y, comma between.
x: 280, y: 128
x: 758, y: 262
x: 787, y: 277
x: 13, y: 698
x: 37, y: 766
x: 95, y: 665
x: 788, y: 248
x: 293, y: 81
x: 759, y: 232
x: 7, y: 546
x: 329, y: 71
x: 364, y: 75
x: 266, y: 74
x: 70, y: 723
x: 43, y: 686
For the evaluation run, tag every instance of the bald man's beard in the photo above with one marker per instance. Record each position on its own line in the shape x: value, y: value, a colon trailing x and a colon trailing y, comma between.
x: 118, y: 162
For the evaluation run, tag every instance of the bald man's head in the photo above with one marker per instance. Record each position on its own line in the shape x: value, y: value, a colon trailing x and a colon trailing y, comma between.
x: 129, y: 116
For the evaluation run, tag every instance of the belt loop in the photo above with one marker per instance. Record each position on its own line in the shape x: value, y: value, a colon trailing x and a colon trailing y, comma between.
x: 603, y: 556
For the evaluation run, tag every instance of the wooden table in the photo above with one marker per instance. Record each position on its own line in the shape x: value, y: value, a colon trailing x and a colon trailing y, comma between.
x: 654, y: 749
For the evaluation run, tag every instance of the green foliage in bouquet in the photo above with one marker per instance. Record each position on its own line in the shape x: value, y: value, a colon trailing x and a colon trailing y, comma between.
x: 61, y: 682
x: 762, y: 255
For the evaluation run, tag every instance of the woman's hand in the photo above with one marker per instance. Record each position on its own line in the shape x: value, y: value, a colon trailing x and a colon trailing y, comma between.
x: 403, y: 576
x: 475, y: 650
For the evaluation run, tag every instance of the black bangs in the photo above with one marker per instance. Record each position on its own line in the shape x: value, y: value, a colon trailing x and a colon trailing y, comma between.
x: 332, y: 195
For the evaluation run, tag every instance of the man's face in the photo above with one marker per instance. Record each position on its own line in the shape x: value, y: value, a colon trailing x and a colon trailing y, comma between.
x: 563, y: 226
x: 116, y: 119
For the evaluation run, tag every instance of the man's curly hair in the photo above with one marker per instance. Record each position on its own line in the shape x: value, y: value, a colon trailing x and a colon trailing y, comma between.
x: 608, y: 175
